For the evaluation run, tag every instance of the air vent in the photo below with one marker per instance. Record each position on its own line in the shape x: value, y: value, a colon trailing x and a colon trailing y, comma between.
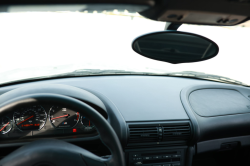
x: 139, y: 134
x: 174, y: 132
x: 164, y: 134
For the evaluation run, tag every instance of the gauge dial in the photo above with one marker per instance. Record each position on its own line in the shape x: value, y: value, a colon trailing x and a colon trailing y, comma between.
x: 88, y: 125
x: 62, y: 118
x: 5, y: 125
x: 30, y: 118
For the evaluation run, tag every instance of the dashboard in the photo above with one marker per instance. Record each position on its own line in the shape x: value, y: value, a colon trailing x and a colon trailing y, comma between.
x: 158, y: 120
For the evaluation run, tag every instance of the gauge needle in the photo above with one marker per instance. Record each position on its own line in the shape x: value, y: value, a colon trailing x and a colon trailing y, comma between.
x: 25, y: 120
x: 60, y: 116
x: 4, y: 126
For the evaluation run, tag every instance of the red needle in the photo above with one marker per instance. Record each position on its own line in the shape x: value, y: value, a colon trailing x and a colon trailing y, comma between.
x: 25, y: 120
x: 4, y: 126
x: 60, y: 116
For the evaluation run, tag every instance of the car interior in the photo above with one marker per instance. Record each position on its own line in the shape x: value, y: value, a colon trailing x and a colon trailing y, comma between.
x: 126, y: 118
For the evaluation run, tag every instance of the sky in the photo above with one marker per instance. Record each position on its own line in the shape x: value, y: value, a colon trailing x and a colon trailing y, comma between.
x: 34, y: 44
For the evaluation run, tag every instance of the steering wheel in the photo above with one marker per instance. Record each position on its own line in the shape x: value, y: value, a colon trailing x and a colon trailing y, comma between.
x: 52, y: 152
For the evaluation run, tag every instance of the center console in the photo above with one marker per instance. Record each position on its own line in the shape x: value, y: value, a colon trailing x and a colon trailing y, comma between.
x: 152, y: 157
x: 158, y: 143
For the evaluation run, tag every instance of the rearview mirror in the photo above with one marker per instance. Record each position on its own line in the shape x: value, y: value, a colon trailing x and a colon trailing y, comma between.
x: 175, y: 47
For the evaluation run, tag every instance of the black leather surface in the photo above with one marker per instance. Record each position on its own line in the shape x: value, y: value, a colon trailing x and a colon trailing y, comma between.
x: 47, y: 152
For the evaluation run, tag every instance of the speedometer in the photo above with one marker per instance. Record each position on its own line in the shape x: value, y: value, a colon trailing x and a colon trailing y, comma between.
x: 30, y: 118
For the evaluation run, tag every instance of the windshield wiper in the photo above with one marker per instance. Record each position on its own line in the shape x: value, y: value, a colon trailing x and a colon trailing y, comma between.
x: 95, y: 72
x: 98, y: 72
x: 189, y: 74
x: 204, y: 76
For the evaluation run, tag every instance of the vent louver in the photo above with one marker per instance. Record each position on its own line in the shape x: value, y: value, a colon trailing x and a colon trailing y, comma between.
x: 139, y: 134
x: 176, y: 132
x: 165, y: 134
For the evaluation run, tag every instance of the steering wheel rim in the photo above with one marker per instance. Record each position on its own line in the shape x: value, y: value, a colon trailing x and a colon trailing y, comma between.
x: 106, y: 132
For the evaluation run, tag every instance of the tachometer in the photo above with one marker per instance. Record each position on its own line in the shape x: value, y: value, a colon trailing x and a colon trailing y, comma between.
x: 62, y: 118
x: 30, y: 118
x: 5, y: 125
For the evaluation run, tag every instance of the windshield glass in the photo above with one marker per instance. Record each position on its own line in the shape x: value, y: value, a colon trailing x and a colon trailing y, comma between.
x: 35, y: 44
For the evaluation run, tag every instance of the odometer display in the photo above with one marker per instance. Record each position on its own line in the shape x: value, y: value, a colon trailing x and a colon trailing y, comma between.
x: 62, y: 118
x: 30, y: 118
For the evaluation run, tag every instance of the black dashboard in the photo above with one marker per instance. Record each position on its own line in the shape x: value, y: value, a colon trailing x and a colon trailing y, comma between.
x: 158, y: 120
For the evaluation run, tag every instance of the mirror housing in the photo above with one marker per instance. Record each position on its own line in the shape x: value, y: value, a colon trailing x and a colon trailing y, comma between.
x: 175, y: 47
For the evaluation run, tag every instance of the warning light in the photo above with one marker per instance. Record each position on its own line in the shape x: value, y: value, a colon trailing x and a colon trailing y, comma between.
x: 74, y: 130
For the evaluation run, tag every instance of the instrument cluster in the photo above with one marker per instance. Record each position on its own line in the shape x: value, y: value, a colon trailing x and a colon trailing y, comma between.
x: 37, y: 117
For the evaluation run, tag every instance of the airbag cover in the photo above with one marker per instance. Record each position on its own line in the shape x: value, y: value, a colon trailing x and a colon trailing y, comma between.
x: 218, y: 102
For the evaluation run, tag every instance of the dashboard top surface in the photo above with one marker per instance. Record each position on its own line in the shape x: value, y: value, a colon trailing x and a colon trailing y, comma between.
x: 138, y: 98
x: 127, y: 100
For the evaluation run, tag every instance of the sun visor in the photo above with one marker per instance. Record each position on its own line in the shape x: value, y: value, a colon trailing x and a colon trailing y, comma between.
x: 195, y: 17
x: 202, y: 12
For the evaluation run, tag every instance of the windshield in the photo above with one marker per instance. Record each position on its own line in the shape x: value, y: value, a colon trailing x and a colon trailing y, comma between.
x: 35, y: 44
